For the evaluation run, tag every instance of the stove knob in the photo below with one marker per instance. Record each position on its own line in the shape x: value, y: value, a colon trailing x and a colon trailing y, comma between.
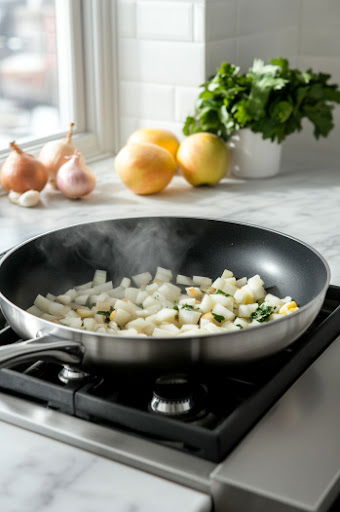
x: 173, y: 395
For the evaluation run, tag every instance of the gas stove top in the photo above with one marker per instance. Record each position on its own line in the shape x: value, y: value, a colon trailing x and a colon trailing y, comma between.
x: 178, y: 418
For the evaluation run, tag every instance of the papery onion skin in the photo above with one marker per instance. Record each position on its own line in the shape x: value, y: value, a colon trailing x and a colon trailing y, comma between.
x: 74, y: 179
x: 22, y: 171
x: 53, y: 153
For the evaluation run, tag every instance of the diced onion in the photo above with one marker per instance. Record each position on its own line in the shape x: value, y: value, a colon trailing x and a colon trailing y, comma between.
x: 99, y: 277
x: 159, y: 308
x: 143, y: 279
x: 180, y: 279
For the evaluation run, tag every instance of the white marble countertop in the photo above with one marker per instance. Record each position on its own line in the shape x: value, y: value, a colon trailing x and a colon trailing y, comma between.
x: 303, y: 201
x: 38, y: 474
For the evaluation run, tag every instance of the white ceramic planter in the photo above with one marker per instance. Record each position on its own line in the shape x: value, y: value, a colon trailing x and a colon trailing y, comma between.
x: 254, y: 157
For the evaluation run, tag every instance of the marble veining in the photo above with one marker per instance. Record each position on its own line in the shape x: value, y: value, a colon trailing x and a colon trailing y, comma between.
x: 38, y: 474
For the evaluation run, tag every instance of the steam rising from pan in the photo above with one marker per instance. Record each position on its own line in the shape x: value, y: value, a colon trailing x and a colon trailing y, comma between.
x: 125, y: 248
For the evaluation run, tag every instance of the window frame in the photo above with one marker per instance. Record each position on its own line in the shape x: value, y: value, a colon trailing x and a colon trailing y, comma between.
x: 90, y: 57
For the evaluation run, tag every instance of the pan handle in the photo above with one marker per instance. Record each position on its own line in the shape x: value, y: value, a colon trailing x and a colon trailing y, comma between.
x: 41, y: 348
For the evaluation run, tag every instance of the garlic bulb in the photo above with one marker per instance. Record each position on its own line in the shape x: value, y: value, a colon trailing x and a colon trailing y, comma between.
x: 53, y: 153
x: 74, y: 179
x: 14, y: 196
x: 21, y: 171
x: 27, y: 199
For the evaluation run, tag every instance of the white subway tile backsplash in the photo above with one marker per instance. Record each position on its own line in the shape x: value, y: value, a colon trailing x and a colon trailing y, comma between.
x: 282, y: 43
x: 185, y: 99
x: 146, y: 100
x: 126, y: 18
x: 221, y: 51
x: 320, y: 28
x: 221, y: 20
x: 161, y: 62
x: 323, y: 41
x: 256, y: 16
x: 166, y: 48
x: 199, y: 23
x: 165, y: 20
x: 127, y: 125
x: 316, y: 13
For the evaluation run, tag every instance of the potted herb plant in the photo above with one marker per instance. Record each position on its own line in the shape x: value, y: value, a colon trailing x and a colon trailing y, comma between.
x: 256, y: 111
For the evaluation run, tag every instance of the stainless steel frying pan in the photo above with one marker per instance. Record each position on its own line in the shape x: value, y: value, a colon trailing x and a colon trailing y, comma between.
x: 64, y: 258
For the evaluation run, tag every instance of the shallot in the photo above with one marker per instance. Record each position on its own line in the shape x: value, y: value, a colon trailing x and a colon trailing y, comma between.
x: 74, y: 179
x: 21, y: 171
x: 53, y: 153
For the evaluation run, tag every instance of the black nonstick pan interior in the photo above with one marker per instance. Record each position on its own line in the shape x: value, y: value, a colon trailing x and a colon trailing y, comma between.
x: 64, y: 258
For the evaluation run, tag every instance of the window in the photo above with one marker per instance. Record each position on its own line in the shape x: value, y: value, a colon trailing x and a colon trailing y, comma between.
x: 57, y: 65
x: 29, y: 102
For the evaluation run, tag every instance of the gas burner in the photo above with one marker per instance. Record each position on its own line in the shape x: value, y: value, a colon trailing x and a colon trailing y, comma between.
x: 173, y: 395
x: 71, y: 374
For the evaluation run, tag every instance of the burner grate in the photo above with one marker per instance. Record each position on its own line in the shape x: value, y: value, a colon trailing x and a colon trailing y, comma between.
x: 236, y: 399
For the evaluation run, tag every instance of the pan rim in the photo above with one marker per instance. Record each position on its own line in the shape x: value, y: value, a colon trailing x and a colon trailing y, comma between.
x: 137, y: 338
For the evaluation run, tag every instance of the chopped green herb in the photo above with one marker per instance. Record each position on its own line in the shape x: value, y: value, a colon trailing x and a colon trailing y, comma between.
x: 218, y: 318
x: 188, y: 307
x: 221, y: 292
x: 239, y: 325
x: 262, y: 313
x: 175, y: 307
x: 106, y: 314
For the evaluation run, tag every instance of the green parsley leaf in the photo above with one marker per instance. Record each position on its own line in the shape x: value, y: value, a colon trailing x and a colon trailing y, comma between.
x: 106, y: 314
x: 262, y: 313
x: 281, y: 63
x: 282, y: 110
x: 271, y: 99
x: 175, y: 307
x: 218, y: 318
x: 239, y: 325
x: 188, y: 307
x: 221, y: 292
